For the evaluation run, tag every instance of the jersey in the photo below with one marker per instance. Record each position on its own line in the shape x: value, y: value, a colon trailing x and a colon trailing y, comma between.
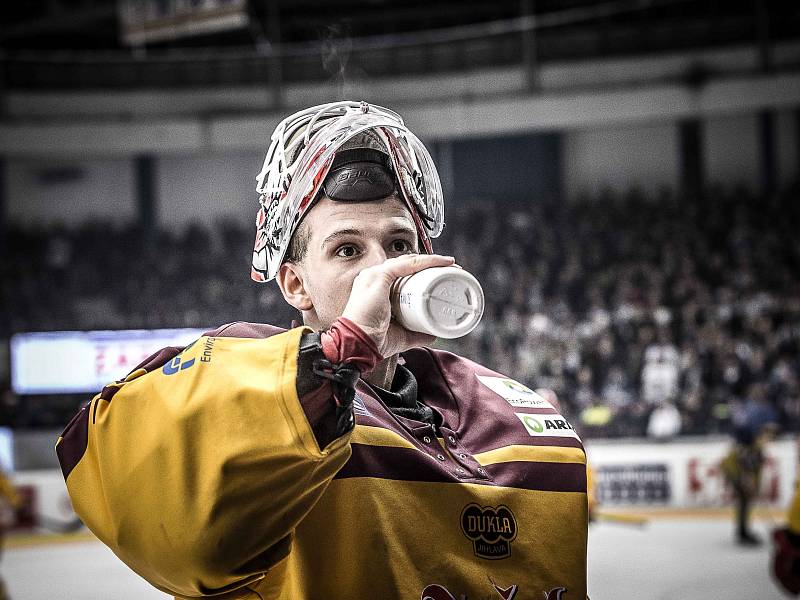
x: 218, y: 470
x: 786, y: 545
x: 741, y: 467
x: 8, y: 493
x: 10, y: 501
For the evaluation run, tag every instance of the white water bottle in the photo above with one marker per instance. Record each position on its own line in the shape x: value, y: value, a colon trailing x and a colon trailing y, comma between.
x: 443, y: 301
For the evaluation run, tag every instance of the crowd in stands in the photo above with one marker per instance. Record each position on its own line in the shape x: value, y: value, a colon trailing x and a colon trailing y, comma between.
x: 647, y: 315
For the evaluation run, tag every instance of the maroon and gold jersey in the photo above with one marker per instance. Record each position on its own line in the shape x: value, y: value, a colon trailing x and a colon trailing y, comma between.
x: 216, y: 471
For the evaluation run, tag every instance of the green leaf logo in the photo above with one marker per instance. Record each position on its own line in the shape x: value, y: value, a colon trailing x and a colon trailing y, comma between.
x: 533, y: 424
x: 517, y: 387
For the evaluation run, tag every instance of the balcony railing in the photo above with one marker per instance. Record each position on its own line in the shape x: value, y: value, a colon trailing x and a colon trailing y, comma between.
x: 521, y: 41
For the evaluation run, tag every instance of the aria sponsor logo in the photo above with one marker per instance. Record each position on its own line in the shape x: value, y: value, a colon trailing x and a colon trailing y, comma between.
x: 490, y: 529
x: 547, y: 425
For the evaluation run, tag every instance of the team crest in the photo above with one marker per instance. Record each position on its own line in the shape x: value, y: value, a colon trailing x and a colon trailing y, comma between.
x: 490, y: 529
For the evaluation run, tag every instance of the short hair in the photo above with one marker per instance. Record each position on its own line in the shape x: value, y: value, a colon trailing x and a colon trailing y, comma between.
x: 298, y: 245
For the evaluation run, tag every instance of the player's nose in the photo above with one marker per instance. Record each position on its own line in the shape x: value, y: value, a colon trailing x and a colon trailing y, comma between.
x: 375, y: 255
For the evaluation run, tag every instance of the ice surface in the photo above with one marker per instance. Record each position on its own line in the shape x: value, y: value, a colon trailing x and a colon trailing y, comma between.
x: 670, y: 559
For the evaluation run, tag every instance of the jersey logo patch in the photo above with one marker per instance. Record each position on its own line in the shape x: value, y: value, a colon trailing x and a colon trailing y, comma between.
x: 491, y: 530
x: 547, y: 425
x: 176, y: 365
x: 514, y: 392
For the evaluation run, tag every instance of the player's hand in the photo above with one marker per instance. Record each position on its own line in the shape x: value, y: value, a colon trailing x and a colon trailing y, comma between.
x: 370, y: 308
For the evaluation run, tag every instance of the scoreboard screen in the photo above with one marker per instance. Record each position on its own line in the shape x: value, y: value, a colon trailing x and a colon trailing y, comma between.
x: 69, y: 362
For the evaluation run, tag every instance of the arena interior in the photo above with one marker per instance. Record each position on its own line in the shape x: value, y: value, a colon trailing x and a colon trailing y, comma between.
x: 622, y: 177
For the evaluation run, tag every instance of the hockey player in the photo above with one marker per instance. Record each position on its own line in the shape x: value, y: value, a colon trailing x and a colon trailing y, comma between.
x: 10, y: 501
x: 786, y: 548
x: 741, y: 468
x: 342, y: 458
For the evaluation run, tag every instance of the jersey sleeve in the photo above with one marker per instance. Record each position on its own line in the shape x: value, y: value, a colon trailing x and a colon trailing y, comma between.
x: 793, y: 516
x: 196, y: 473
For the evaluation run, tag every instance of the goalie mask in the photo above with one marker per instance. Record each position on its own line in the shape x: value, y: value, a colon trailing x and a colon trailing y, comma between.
x: 348, y: 151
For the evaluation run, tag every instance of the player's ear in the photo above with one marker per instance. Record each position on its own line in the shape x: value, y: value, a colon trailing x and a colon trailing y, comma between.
x: 291, y: 281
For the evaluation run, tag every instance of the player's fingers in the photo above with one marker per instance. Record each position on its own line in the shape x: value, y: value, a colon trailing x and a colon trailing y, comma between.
x: 387, y: 272
x: 408, y: 264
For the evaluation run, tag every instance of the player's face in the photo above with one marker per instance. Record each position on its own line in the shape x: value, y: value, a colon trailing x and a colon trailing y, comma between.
x: 346, y: 237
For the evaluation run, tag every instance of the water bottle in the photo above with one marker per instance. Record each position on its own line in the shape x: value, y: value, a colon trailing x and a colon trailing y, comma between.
x: 443, y: 301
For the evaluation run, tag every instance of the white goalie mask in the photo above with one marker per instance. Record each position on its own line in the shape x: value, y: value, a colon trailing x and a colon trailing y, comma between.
x: 300, y: 156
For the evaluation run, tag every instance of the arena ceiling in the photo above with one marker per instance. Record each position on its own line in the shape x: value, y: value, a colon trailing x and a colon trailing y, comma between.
x: 93, y: 24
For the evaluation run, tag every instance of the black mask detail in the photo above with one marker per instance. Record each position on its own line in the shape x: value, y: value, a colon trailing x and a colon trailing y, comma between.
x: 359, y: 175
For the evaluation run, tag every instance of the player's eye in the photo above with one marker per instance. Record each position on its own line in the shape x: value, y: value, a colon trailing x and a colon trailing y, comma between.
x: 400, y: 246
x: 346, y: 251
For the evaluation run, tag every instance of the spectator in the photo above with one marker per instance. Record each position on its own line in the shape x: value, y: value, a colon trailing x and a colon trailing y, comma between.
x: 664, y: 423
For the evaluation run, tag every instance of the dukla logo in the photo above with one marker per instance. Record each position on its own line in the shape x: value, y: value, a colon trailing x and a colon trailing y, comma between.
x: 490, y: 529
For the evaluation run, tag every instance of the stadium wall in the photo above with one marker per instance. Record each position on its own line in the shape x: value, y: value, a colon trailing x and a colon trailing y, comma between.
x: 514, y: 170
x: 731, y: 153
x: 788, y: 146
x: 70, y: 191
x: 207, y: 186
x: 646, y: 157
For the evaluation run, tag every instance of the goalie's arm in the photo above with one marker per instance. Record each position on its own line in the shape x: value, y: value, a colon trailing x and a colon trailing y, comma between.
x: 197, y: 476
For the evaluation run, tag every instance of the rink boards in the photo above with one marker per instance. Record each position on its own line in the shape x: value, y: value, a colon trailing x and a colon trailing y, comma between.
x: 682, y: 475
